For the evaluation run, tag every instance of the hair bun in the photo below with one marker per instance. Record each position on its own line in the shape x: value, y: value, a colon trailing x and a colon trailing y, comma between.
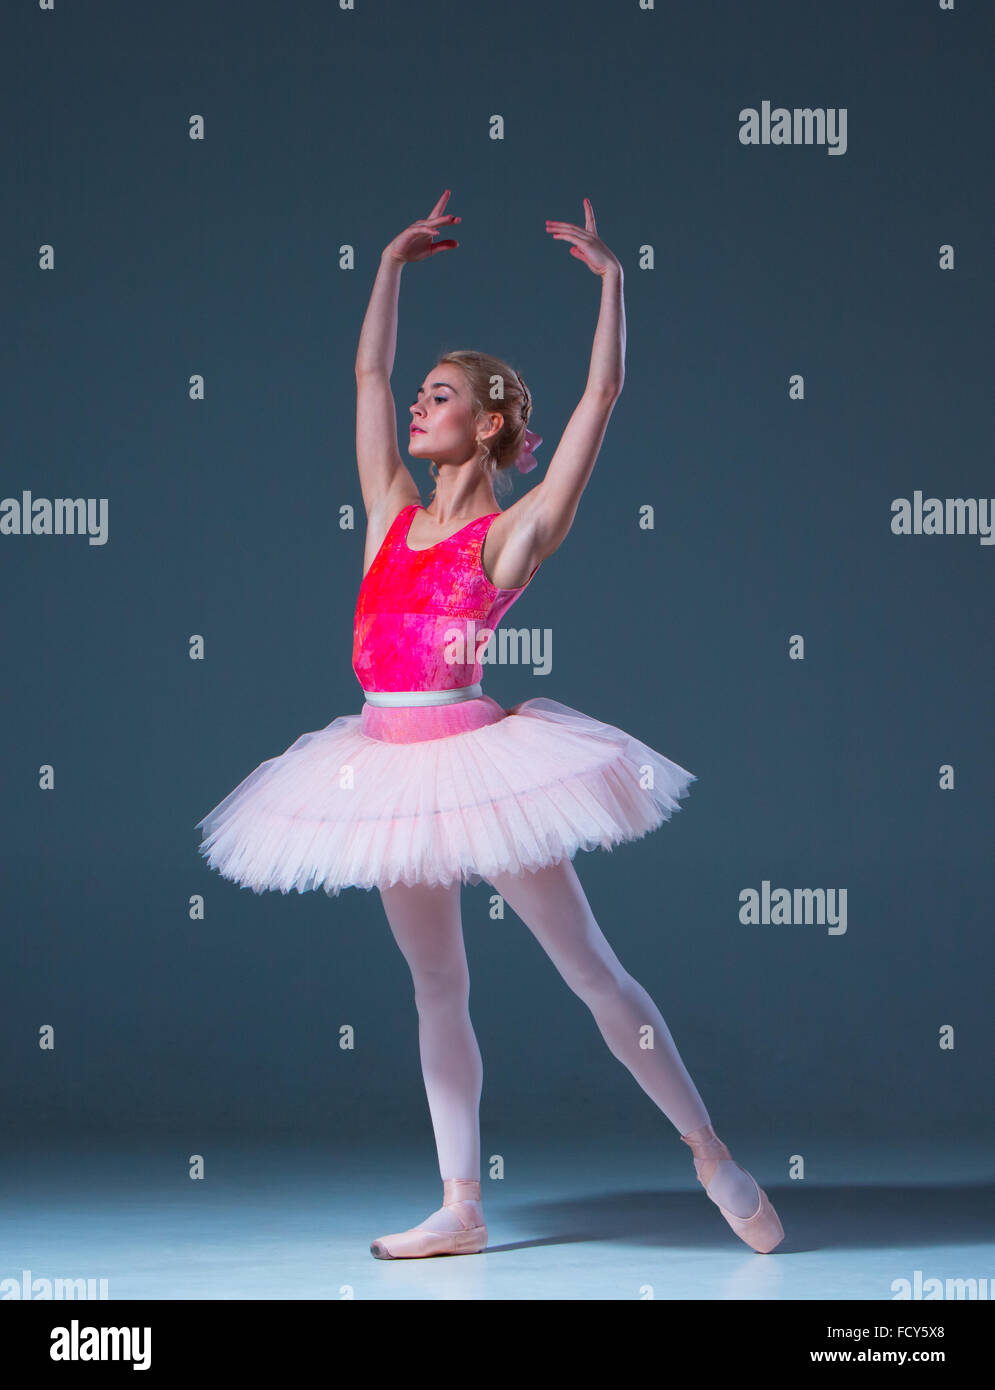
x: 526, y: 398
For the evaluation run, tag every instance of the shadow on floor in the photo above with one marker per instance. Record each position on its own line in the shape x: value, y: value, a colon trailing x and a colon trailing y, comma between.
x: 848, y: 1217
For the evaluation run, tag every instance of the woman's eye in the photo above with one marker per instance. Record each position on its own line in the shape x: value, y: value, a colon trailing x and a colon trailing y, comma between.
x: 443, y: 399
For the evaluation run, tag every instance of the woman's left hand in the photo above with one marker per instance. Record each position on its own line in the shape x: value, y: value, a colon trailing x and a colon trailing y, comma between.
x: 588, y: 246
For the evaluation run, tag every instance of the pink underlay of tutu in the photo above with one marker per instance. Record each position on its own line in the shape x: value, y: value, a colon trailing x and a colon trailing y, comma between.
x: 439, y: 794
x: 417, y: 723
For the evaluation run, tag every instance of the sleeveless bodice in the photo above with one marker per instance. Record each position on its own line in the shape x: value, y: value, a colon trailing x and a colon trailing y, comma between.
x: 421, y: 614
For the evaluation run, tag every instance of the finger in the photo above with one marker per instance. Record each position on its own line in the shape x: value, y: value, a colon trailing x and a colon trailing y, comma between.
x: 440, y: 204
x: 442, y: 246
x: 432, y: 221
x: 565, y: 226
x: 589, y: 216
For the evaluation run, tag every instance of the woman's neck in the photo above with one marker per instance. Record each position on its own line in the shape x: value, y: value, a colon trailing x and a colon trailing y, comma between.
x: 446, y: 508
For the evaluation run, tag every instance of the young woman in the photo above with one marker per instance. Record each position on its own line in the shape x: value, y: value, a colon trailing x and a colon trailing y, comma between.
x: 433, y: 784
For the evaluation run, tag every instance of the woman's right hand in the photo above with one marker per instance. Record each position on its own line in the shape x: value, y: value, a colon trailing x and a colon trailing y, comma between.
x: 415, y: 242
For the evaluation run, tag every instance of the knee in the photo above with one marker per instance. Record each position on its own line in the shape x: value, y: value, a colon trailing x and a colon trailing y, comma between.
x: 598, y: 980
x: 445, y: 987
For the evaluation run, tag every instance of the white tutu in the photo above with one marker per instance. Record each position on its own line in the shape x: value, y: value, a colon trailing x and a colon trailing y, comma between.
x: 340, y: 809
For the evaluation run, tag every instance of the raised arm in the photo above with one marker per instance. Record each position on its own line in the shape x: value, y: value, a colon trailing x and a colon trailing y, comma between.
x: 549, y: 508
x: 384, y: 478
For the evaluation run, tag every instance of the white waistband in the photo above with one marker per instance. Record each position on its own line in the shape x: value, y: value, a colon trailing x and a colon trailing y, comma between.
x: 424, y: 697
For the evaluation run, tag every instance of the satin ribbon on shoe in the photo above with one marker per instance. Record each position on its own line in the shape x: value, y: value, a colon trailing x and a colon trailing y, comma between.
x: 763, y: 1230
x: 420, y: 1242
x: 424, y: 697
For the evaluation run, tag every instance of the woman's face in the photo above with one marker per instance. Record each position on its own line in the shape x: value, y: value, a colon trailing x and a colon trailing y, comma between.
x: 442, y: 424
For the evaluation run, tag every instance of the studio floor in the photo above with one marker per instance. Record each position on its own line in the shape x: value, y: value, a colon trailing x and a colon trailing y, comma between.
x: 581, y: 1220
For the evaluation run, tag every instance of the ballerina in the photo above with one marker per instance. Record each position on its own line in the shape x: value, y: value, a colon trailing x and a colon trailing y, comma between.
x: 433, y: 784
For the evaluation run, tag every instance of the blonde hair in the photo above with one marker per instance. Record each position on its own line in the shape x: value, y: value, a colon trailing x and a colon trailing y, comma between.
x: 486, y: 375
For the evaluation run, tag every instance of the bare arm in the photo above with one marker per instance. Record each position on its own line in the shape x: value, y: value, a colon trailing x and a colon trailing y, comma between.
x: 382, y: 471
x: 572, y: 464
x: 384, y: 479
x: 539, y: 522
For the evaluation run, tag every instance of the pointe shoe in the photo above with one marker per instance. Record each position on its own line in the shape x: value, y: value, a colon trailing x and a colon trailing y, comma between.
x: 763, y: 1230
x: 418, y: 1242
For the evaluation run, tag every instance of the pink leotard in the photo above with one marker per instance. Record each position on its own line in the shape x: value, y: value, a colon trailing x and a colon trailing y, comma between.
x: 412, y: 605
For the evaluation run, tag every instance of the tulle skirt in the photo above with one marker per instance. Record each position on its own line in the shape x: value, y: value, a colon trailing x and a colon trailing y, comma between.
x: 439, y: 794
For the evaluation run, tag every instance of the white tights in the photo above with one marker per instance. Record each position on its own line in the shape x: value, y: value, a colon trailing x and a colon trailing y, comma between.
x: 427, y: 926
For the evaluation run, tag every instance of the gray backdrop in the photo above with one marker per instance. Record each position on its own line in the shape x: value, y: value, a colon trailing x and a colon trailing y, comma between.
x: 220, y: 257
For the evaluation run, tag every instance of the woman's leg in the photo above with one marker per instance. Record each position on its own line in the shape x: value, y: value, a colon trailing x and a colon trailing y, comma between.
x: 552, y: 904
x: 428, y: 928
